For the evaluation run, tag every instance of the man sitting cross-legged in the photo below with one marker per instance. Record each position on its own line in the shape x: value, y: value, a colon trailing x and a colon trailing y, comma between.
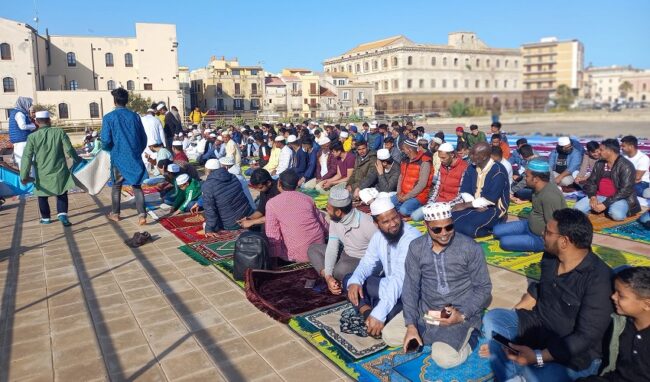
x: 375, y: 296
x: 444, y: 269
x: 557, y: 329
x: 349, y: 233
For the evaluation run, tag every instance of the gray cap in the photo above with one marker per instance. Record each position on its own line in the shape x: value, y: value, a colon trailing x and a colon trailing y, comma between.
x: 339, y: 197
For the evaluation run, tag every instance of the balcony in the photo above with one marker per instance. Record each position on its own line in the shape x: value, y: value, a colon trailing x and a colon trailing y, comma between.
x: 330, y: 107
x: 362, y: 102
x: 239, y: 95
x: 532, y: 72
x: 296, y: 93
x: 255, y: 95
x: 313, y: 106
x: 534, y: 80
x: 280, y: 107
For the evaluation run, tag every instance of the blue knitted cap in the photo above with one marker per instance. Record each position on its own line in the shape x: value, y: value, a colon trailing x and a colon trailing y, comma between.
x: 539, y: 165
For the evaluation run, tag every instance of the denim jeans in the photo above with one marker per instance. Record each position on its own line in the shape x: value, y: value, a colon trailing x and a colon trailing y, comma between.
x: 617, y: 210
x: 517, y: 237
x: 407, y: 207
x: 506, y: 322
x: 640, y: 187
x: 524, y: 194
x: 645, y: 217
x: 417, y: 215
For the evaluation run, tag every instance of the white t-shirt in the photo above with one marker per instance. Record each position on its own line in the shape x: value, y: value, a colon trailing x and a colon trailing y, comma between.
x: 508, y: 167
x: 323, y: 164
x: 641, y: 162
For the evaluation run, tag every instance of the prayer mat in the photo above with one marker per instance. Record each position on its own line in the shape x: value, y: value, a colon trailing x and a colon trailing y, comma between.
x: 283, y: 294
x: 319, y: 199
x: 146, y: 189
x: 520, y: 210
x: 189, y: 234
x: 602, y: 222
x: 631, y: 231
x: 226, y: 266
x: 363, y: 208
x: 183, y: 220
x: 527, y: 264
x: 207, y: 251
x: 338, y: 324
x: 395, y: 365
x: 417, y: 225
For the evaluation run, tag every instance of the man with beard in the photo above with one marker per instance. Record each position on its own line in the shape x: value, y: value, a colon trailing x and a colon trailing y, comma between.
x: 484, y: 192
x: 565, y: 162
x: 557, y: 329
x: 363, y: 163
x: 375, y: 297
x: 444, y: 270
x: 349, y: 234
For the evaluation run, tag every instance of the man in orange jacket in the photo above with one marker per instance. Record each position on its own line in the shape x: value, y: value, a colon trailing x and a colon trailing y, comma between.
x: 414, y: 181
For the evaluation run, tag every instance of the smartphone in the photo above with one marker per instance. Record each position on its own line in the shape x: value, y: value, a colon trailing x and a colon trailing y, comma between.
x: 413, y: 346
x: 310, y: 283
x: 503, y: 341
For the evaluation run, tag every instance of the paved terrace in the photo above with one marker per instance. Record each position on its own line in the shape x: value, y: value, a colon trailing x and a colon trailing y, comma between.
x: 79, y: 305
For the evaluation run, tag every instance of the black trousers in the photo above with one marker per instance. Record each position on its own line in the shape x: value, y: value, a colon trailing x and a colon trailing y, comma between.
x: 61, y: 205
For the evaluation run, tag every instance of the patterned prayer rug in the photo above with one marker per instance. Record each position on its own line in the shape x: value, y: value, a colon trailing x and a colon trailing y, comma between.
x: 146, y: 189
x: 338, y: 324
x: 319, y: 199
x: 631, y: 231
x: 207, y: 250
x: 183, y: 220
x: 226, y: 266
x: 283, y: 294
x: 418, y: 225
x: 602, y: 222
x: 523, y: 210
x: 396, y: 366
x: 527, y: 264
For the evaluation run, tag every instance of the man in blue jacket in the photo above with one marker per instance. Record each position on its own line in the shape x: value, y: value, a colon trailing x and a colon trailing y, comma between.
x: 565, y: 161
x: 308, y: 146
x: 299, y: 158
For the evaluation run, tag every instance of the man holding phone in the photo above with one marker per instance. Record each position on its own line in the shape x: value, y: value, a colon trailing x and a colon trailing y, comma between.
x: 442, y: 267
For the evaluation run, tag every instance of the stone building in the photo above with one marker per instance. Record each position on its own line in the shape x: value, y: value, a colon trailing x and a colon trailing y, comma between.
x: 409, y: 77
x: 604, y: 84
x: 77, y: 73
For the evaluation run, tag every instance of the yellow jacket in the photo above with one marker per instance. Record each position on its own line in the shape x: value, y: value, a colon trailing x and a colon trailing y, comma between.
x: 196, y: 117
x: 274, y: 160
x: 347, y: 144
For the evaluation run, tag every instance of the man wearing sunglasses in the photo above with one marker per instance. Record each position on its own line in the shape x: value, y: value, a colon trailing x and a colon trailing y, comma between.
x: 444, y: 270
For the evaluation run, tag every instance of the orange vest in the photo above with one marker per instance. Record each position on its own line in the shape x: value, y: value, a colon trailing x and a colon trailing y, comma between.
x: 411, y: 173
x: 449, y: 180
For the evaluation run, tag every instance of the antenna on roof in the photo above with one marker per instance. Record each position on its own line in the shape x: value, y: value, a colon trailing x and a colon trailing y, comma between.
x: 36, y: 19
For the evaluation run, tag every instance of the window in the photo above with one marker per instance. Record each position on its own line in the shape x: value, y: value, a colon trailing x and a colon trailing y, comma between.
x: 254, y: 89
x: 255, y: 104
x: 395, y: 84
x: 237, y: 89
x: 433, y: 61
x: 238, y: 104
x: 410, y: 105
x: 346, y: 96
x: 433, y: 84
x: 109, y: 59
x: 487, y: 62
x: 496, y: 84
x: 342, y: 69
x: 456, y: 61
x: 374, y: 65
x: 350, y: 68
x: 253, y: 72
x: 444, y: 61
x: 478, y: 62
x: 220, y: 89
x: 63, y: 111
x: 421, y: 84
x: 409, y: 60
x: 130, y: 85
x: 313, y: 88
x: 516, y: 65
x: 148, y: 87
x: 8, y: 85
x: 444, y: 84
x: 94, y: 110
x: 395, y: 62
x: 498, y: 63
x: 409, y: 83
x: 128, y: 60
x: 366, y: 67
x: 5, y: 51
x: 72, y: 59
x: 110, y: 85
x: 455, y: 83
x: 385, y: 63
x: 505, y: 63
x: 505, y: 83
x: 357, y: 67
x: 466, y: 84
x: 477, y: 84
x: 433, y: 105
x: 487, y: 84
x: 235, y: 72
x: 74, y: 85
x: 385, y: 85
x: 466, y: 62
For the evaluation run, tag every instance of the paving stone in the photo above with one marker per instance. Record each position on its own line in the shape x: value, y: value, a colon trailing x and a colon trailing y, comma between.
x: 246, y: 369
x: 313, y: 370
x: 286, y: 355
x: 186, y: 364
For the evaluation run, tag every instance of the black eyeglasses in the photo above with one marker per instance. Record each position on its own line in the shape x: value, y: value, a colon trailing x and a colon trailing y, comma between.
x: 438, y: 230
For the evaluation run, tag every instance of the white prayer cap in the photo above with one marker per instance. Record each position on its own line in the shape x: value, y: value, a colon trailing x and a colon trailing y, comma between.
x: 339, y: 197
x: 381, y: 205
x: 344, y: 134
x: 42, y: 114
x: 94, y: 134
x: 383, y: 154
x: 436, y: 211
x: 225, y: 132
x: 208, y: 131
x: 446, y: 147
x: 562, y: 141
x: 213, y: 135
x: 182, y: 179
x: 220, y: 138
x: 177, y: 143
x: 368, y: 194
x: 212, y: 164
x: 150, y: 110
x: 373, y: 126
x: 160, y: 106
x: 291, y: 138
x: 323, y: 140
x: 173, y: 167
x: 227, y: 161
x: 279, y: 138
x: 437, y: 140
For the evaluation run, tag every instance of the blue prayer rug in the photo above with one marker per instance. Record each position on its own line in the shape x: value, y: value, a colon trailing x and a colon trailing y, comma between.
x: 631, y: 231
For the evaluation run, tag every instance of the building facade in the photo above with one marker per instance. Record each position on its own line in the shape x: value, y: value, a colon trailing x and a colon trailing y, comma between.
x: 408, y: 77
x: 607, y: 84
x: 547, y: 64
x: 77, y: 73
x: 227, y: 87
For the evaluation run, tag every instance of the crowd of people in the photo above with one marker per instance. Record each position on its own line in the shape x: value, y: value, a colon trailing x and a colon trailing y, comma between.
x: 411, y: 289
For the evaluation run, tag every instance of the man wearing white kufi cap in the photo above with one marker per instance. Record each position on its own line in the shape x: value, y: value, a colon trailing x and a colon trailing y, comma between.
x: 377, y: 298
x: 565, y: 161
x: 446, y: 289
x: 155, y: 133
x: 383, y: 175
x: 46, y: 149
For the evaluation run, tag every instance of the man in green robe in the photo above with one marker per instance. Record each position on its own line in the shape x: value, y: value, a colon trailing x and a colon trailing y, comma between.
x: 46, y: 150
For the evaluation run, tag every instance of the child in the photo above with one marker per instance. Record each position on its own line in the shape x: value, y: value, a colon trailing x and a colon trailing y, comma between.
x: 630, y: 360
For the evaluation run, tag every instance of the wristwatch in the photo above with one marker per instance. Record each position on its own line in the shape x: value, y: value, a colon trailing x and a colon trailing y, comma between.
x: 540, y: 359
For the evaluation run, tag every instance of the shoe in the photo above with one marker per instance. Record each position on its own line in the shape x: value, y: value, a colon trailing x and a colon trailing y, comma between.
x: 113, y: 217
x: 46, y: 221
x: 64, y: 220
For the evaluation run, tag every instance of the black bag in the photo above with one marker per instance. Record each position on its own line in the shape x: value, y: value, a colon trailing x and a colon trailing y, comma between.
x: 251, y: 251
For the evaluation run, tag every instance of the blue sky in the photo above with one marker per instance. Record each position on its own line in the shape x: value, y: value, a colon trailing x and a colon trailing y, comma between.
x: 303, y: 33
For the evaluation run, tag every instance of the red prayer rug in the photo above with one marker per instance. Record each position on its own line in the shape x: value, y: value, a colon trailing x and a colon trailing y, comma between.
x: 183, y: 220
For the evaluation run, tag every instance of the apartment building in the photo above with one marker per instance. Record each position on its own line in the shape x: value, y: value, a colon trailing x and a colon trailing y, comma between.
x: 606, y: 84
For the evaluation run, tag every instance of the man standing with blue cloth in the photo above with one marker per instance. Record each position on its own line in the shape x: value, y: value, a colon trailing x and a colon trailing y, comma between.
x: 124, y: 137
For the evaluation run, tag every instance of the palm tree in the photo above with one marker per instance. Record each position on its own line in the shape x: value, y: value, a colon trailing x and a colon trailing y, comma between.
x: 625, y: 88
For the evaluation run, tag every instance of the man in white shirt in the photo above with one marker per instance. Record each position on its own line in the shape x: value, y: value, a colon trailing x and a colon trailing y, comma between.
x: 232, y: 148
x: 285, y: 157
x: 497, y: 156
x: 155, y: 133
x: 20, y: 126
x: 641, y: 162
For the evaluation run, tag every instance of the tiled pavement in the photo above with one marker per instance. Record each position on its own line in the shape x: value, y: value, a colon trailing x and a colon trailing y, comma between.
x: 79, y: 305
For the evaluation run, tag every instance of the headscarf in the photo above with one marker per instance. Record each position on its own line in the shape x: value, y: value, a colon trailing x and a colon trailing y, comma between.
x: 23, y: 104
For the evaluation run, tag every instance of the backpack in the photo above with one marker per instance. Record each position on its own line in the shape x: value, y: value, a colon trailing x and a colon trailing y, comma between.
x: 251, y: 251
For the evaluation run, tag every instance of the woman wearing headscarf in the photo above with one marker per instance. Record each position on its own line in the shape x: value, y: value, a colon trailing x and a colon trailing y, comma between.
x: 20, y: 126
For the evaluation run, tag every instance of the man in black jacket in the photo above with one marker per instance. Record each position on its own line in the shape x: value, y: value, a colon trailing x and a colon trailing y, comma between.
x: 610, y: 187
x: 171, y: 127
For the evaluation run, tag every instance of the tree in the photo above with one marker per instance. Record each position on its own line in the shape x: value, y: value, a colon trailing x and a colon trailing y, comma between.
x: 43, y: 107
x: 564, y: 97
x: 137, y: 103
x: 625, y: 88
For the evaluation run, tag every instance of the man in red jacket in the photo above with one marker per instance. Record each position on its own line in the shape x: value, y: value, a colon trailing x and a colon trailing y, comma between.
x: 414, y: 181
x: 446, y: 189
